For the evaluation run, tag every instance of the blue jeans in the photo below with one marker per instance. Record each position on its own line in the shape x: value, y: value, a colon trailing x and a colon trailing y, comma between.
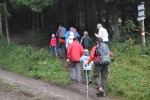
x: 53, y: 50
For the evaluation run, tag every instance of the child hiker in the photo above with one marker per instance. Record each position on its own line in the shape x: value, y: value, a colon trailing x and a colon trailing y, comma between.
x: 53, y: 45
x: 84, y: 60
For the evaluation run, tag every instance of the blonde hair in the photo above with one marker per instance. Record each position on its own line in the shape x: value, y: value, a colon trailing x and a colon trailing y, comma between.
x: 86, y: 51
x: 85, y: 33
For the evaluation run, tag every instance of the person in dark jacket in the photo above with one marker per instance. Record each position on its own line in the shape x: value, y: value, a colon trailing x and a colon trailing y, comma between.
x: 86, y: 40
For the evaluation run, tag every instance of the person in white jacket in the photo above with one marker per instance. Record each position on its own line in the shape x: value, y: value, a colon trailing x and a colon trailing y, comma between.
x: 102, y: 33
x: 84, y: 60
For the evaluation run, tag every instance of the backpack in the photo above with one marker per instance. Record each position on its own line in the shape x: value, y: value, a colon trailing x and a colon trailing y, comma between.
x: 104, y: 53
x: 63, y: 32
x: 74, y: 31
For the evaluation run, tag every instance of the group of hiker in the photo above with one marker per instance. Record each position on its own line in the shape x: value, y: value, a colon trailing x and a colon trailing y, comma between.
x: 67, y: 46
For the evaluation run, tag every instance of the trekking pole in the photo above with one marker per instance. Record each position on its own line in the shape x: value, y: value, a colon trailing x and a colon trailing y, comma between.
x: 110, y: 71
x: 87, y: 85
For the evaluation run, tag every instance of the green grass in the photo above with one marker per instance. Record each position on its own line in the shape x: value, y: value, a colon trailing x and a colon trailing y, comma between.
x: 130, y: 72
x: 28, y: 61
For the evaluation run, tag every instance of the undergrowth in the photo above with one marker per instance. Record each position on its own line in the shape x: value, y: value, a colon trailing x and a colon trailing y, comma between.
x: 130, y: 72
x: 28, y: 61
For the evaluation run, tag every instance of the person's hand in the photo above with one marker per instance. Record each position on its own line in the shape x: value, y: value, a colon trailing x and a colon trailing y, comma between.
x: 86, y: 64
x: 95, y: 34
x: 68, y: 60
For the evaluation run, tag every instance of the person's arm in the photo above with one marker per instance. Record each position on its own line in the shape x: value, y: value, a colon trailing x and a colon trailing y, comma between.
x: 90, y: 39
x: 51, y: 41
x: 81, y: 50
x: 81, y: 59
x: 97, y: 35
x: 67, y: 35
x: 69, y: 51
x: 92, y: 54
x: 78, y: 35
x: 81, y: 40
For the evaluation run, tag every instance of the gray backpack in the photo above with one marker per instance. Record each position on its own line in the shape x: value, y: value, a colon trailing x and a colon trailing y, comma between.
x: 104, y: 53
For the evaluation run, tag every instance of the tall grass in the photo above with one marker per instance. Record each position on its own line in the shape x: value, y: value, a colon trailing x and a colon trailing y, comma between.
x: 28, y: 61
x: 130, y: 72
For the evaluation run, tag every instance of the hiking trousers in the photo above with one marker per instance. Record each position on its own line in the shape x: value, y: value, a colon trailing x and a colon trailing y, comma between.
x: 53, y: 50
x: 75, y: 71
x: 62, y: 49
x: 103, y: 71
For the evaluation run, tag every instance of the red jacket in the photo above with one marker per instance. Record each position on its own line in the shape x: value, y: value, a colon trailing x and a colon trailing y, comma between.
x: 92, y: 55
x: 53, y: 42
x: 75, y: 51
x: 95, y: 58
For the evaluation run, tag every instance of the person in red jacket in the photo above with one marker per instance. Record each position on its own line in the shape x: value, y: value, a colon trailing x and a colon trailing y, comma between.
x: 53, y: 45
x: 99, y: 68
x: 74, y: 52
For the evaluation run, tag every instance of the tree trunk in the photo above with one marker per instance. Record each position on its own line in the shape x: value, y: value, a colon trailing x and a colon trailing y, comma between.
x: 93, y: 17
x: 1, y: 31
x: 33, y: 20
x: 37, y: 20
x: 116, y: 34
x: 107, y: 17
x: 99, y: 8
x: 42, y: 20
x: 6, y: 21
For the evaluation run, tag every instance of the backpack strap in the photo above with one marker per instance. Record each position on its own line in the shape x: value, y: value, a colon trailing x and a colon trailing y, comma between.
x: 97, y: 53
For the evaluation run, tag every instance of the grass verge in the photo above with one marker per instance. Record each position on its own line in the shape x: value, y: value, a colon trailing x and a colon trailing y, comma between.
x: 28, y: 61
x: 130, y: 72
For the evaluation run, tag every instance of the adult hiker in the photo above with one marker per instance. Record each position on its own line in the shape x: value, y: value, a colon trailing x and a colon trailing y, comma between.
x: 73, y: 33
x: 53, y: 45
x: 61, y: 34
x: 86, y: 40
x: 74, y: 52
x: 101, y: 56
x: 102, y: 33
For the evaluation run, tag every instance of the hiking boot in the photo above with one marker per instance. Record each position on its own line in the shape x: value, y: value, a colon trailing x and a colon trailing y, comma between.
x: 104, y: 94
x: 90, y: 82
x: 100, y: 92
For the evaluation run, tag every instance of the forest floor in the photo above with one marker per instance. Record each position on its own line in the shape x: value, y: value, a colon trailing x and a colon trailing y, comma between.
x: 39, y: 90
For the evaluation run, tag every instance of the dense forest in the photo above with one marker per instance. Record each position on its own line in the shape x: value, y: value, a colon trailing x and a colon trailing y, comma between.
x: 119, y: 17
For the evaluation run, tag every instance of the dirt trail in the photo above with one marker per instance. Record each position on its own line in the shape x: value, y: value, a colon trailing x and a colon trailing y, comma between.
x: 44, y: 90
